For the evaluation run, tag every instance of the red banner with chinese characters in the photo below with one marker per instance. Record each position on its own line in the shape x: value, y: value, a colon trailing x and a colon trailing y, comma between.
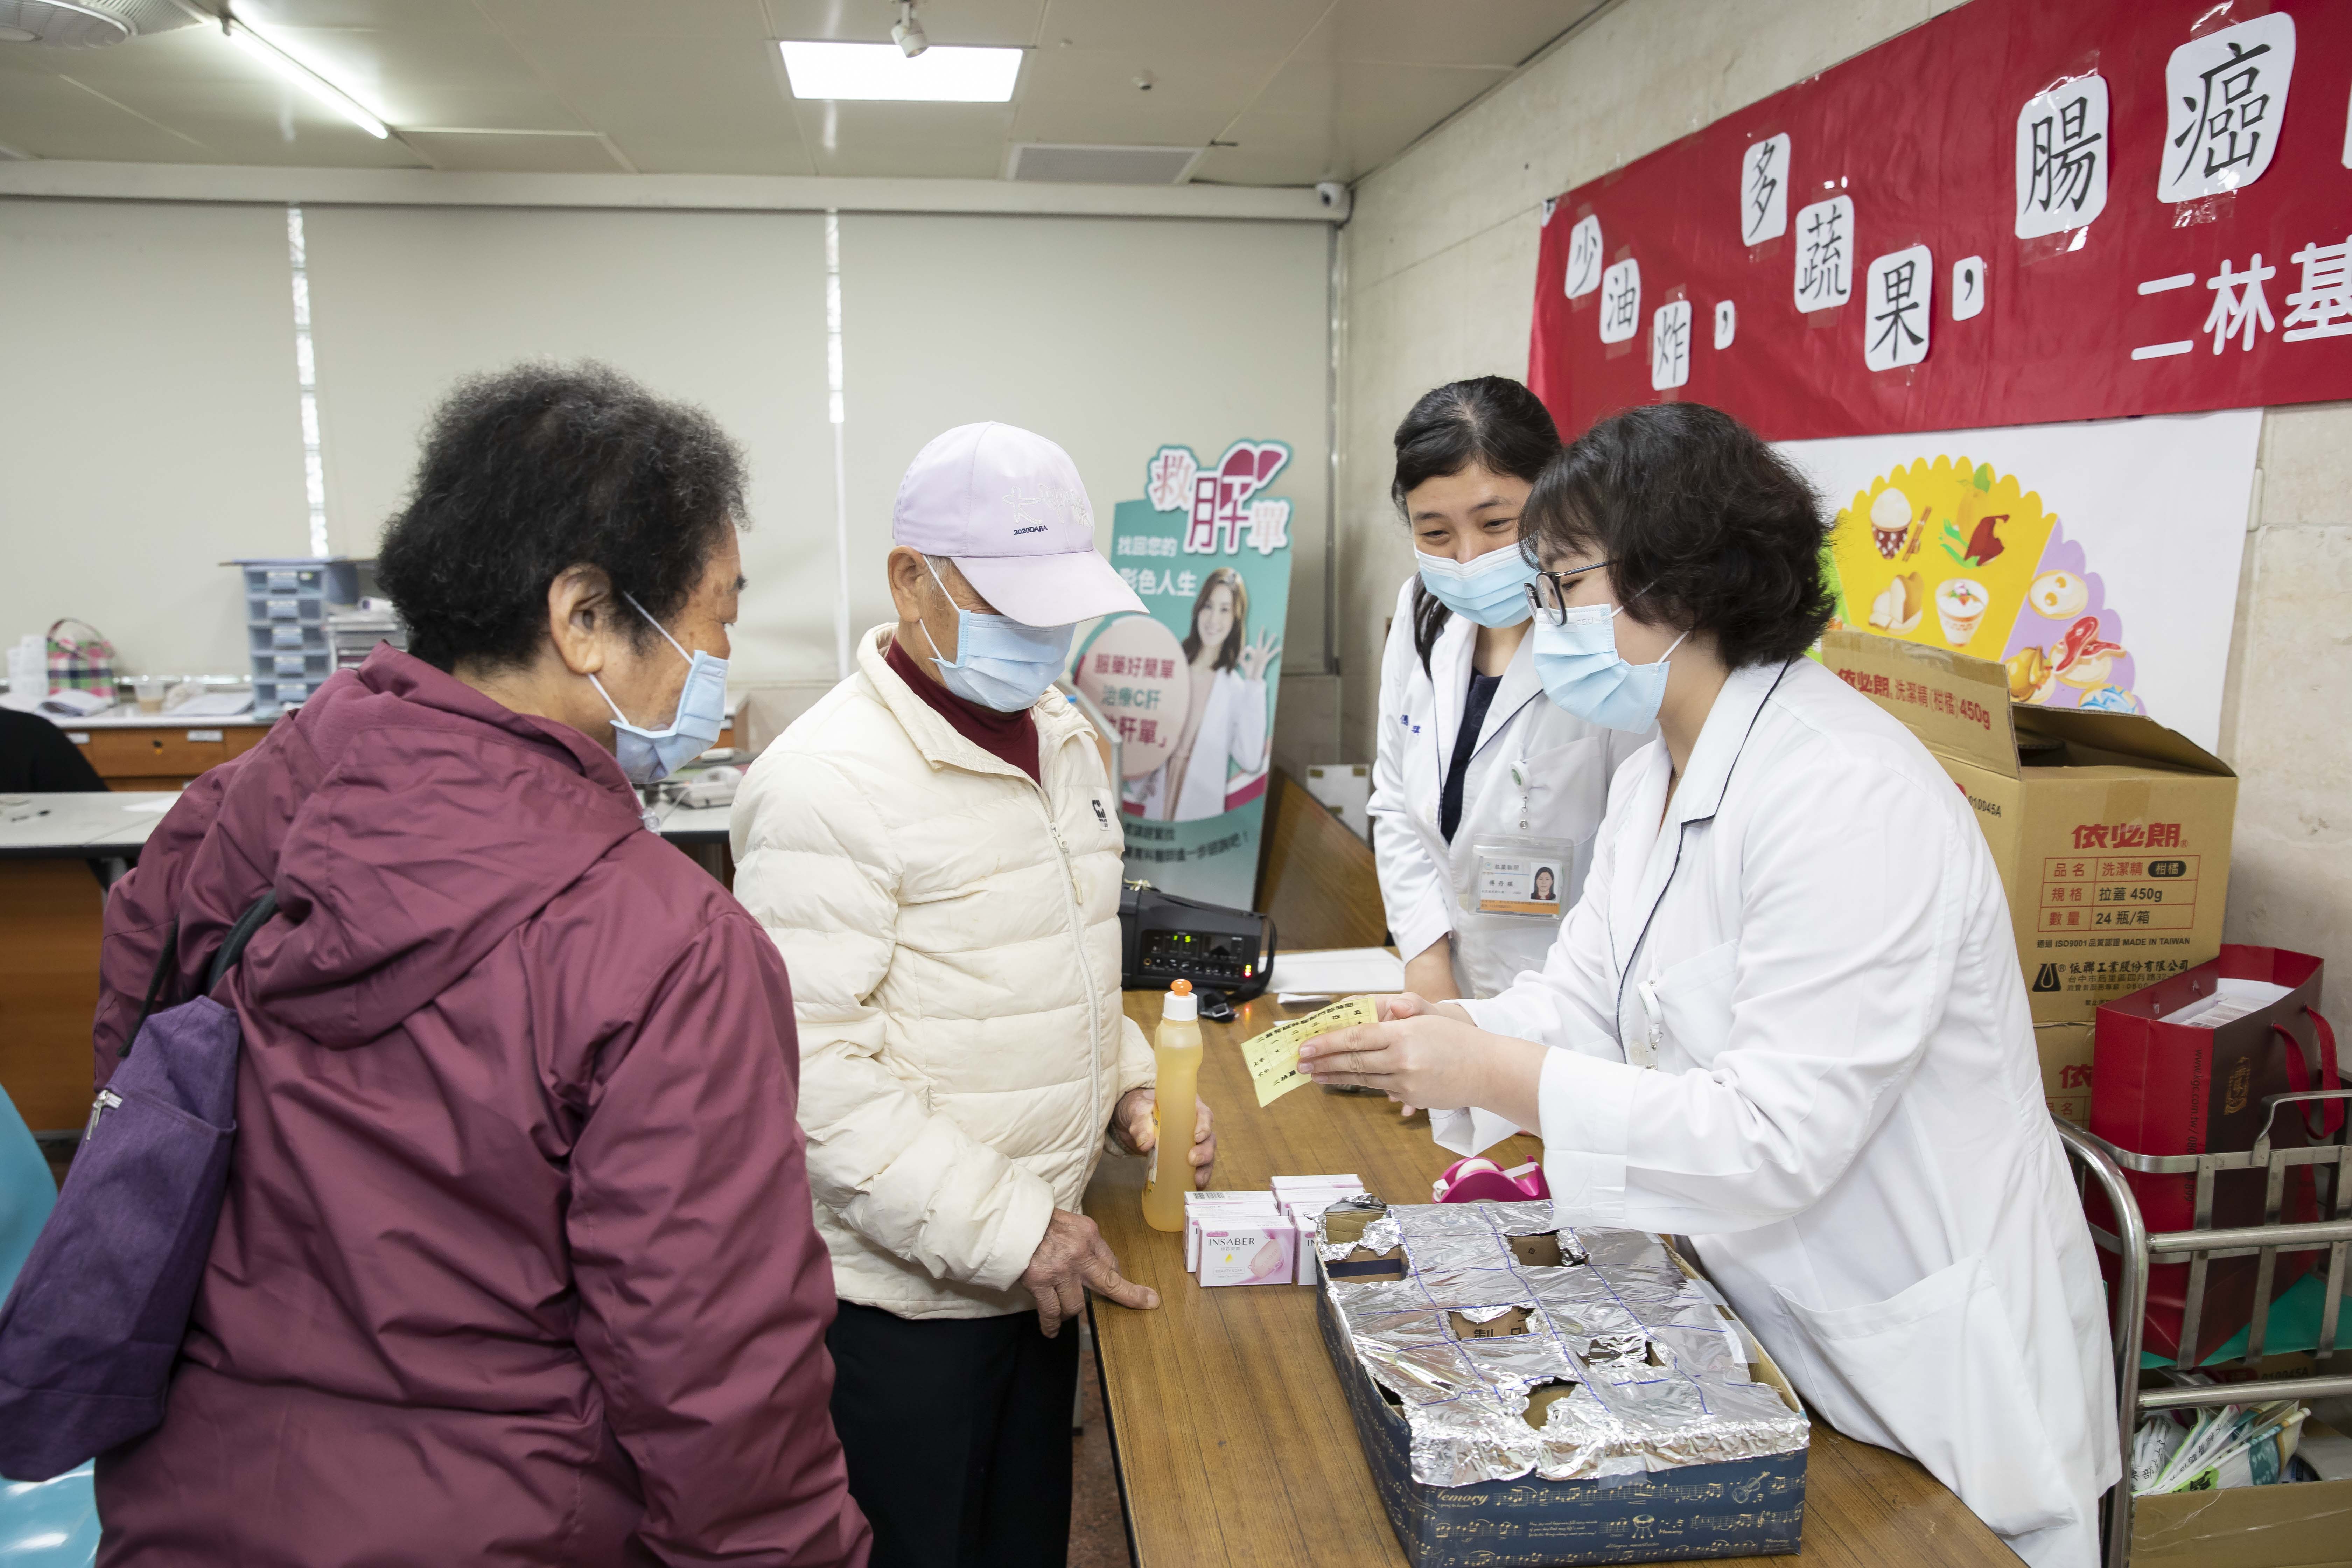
x: 2017, y: 213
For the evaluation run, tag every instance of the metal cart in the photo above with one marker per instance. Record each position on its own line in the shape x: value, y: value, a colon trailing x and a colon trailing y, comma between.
x: 2102, y: 1163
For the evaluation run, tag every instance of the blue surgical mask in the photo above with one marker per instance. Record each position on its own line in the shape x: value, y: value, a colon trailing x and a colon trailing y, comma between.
x: 1583, y: 671
x: 647, y: 756
x: 1000, y: 662
x: 1490, y: 590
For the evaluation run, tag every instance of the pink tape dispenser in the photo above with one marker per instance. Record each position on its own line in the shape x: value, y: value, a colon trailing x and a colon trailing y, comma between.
x: 1480, y: 1180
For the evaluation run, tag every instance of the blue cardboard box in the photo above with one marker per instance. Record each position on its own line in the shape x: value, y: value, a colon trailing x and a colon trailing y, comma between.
x: 1751, y: 1507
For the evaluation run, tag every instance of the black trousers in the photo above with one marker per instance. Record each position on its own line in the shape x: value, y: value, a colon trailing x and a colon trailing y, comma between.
x: 957, y: 1431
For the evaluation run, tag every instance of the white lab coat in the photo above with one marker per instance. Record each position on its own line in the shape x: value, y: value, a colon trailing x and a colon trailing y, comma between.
x: 1845, y: 1111
x: 1539, y: 771
x: 1233, y: 733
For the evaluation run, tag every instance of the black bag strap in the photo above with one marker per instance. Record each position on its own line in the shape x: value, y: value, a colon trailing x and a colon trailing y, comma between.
x: 257, y: 914
x: 164, y: 961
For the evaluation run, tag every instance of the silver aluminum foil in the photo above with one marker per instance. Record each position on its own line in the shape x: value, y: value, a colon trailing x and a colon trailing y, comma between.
x: 1656, y: 1374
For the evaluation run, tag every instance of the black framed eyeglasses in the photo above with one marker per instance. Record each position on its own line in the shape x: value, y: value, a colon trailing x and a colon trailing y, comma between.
x: 1547, y: 594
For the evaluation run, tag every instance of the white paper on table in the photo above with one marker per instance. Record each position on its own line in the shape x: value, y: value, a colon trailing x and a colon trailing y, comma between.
x: 2232, y: 1000
x: 215, y: 705
x: 1338, y: 972
x: 152, y: 807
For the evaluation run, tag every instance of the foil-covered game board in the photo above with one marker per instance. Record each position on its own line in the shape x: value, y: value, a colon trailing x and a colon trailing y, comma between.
x: 1512, y: 1346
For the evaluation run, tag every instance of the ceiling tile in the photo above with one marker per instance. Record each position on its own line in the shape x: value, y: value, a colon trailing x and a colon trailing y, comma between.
x: 1412, y: 32
x: 942, y: 140
x: 50, y: 116
x: 414, y: 78
x: 1089, y: 94
x: 412, y: 15
x: 1359, y: 114
x: 514, y: 152
x: 741, y: 19
x: 1268, y: 29
x: 964, y: 22
x: 678, y: 105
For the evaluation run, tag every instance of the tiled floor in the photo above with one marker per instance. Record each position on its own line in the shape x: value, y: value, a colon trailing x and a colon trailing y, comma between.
x: 1098, y: 1529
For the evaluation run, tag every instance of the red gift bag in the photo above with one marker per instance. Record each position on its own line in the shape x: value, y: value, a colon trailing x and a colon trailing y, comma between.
x: 2183, y: 1067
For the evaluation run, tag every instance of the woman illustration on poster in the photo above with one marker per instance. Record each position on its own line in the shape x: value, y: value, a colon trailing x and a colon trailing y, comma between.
x: 1224, y: 724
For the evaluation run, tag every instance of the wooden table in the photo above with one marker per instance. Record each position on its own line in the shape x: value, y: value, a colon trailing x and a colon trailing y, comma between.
x: 1231, y: 1436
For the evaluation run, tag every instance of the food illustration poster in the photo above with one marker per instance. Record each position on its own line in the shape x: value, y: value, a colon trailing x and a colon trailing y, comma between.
x: 2097, y: 561
x: 1191, y: 686
x: 1944, y: 551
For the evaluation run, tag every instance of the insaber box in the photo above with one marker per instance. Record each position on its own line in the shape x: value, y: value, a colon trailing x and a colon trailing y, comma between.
x: 1249, y: 1250
x: 1222, y: 1208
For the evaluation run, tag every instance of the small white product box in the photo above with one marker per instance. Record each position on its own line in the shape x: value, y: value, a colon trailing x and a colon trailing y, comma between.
x: 1237, y: 1208
x: 1249, y: 1250
x: 1285, y: 1185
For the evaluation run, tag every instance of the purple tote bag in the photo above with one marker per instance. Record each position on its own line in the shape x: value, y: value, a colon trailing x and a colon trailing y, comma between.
x: 91, y: 1332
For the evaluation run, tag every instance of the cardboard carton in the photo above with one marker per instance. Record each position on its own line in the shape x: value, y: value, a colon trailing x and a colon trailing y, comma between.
x: 2299, y: 1525
x: 2111, y: 833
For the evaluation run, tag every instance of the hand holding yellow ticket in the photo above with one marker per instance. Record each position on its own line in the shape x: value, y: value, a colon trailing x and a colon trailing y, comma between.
x: 1273, y: 1056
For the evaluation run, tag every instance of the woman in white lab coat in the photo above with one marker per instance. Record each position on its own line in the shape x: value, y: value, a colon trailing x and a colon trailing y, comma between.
x: 1224, y: 724
x: 1786, y: 1018
x: 1479, y: 785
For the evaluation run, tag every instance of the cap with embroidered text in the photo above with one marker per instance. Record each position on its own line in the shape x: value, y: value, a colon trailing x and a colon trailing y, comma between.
x: 1008, y: 507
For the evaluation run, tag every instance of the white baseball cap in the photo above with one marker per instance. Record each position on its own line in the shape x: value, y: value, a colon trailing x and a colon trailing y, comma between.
x: 1008, y: 507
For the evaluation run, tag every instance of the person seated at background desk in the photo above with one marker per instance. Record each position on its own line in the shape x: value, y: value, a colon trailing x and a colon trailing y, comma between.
x: 1785, y: 1018
x: 936, y: 847
x: 515, y: 1262
x: 35, y: 758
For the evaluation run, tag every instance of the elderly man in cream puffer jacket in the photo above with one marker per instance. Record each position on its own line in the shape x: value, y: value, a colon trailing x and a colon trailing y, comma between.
x: 935, y: 848
x: 952, y: 931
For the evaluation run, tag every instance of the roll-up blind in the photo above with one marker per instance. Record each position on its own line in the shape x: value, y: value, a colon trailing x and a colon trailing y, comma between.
x: 723, y: 309
x: 148, y: 422
x: 1112, y: 336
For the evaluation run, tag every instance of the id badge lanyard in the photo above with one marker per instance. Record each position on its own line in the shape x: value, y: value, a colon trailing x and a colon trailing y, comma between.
x: 1520, y: 873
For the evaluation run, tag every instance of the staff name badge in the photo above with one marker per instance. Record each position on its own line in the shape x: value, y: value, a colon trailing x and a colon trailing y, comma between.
x: 1522, y: 879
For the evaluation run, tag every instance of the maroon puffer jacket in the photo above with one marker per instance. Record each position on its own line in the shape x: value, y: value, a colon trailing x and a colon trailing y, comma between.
x: 517, y: 1264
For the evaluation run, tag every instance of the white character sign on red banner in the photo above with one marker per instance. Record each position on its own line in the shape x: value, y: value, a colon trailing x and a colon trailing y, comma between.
x: 2225, y: 99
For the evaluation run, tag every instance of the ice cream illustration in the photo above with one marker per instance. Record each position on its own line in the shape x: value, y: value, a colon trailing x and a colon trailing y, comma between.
x: 1890, y: 522
x: 1960, y: 603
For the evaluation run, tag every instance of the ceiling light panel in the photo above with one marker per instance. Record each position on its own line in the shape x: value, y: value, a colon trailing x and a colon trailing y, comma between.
x: 941, y: 74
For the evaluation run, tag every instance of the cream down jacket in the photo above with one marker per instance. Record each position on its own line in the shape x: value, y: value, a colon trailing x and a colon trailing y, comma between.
x: 952, y: 931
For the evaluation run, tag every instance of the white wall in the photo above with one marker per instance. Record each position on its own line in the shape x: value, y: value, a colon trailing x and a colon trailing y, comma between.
x: 151, y: 429
x: 1112, y: 336
x: 1440, y: 259
x: 722, y: 309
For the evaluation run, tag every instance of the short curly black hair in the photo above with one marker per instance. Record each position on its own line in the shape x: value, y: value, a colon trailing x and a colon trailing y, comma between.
x: 1706, y: 527
x: 533, y: 471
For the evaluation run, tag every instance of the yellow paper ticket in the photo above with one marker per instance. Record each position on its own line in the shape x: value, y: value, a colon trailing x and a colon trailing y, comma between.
x: 1273, y: 1056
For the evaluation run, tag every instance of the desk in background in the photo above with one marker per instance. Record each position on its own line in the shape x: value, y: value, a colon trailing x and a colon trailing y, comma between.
x: 1232, y: 1438
x: 52, y: 917
x: 135, y: 751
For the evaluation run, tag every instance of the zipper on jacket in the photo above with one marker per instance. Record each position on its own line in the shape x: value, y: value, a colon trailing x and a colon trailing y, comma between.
x: 107, y: 1100
x: 1078, y: 935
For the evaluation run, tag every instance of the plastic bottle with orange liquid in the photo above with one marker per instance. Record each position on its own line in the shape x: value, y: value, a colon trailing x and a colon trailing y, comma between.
x: 1177, y: 1047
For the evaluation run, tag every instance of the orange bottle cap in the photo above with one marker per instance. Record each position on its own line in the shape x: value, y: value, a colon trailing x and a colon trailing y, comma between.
x: 1181, y: 988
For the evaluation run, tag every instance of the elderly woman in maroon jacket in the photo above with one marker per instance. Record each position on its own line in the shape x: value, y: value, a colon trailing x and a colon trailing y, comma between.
x: 517, y: 1263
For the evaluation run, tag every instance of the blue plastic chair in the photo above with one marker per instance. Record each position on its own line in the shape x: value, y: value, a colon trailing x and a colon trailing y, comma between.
x: 54, y: 1523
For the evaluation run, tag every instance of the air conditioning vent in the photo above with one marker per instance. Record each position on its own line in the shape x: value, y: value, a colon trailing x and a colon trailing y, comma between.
x: 87, y: 24
x: 1063, y: 164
